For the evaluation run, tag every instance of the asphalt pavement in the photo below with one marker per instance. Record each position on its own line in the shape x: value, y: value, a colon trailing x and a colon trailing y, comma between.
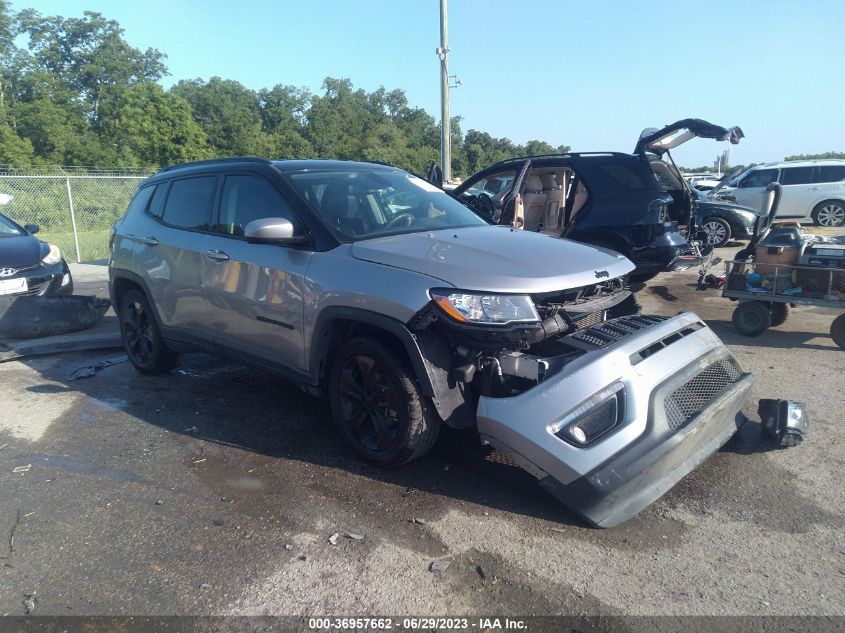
x: 216, y: 489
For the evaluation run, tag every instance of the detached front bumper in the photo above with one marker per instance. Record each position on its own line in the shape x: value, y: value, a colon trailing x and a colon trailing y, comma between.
x: 683, y: 392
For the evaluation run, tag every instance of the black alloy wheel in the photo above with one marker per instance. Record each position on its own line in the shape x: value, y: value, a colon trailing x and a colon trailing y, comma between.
x: 377, y: 404
x: 144, y: 344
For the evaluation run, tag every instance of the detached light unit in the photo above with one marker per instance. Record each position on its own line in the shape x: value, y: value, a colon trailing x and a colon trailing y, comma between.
x: 786, y: 421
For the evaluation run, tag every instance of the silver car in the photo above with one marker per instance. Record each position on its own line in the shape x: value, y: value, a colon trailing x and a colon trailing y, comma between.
x: 367, y: 285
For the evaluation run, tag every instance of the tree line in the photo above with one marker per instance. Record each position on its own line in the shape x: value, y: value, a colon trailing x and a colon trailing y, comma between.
x: 77, y: 93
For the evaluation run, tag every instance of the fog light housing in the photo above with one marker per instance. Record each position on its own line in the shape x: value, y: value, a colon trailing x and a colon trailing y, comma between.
x: 593, y: 418
x: 786, y: 421
x: 65, y: 279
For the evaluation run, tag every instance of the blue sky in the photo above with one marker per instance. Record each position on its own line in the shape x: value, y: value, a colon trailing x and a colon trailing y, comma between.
x: 588, y: 74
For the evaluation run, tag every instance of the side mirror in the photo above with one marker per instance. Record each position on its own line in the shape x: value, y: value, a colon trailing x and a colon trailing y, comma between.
x: 272, y: 231
x: 32, y: 228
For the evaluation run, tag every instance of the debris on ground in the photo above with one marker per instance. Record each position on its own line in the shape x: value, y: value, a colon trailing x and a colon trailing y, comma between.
x: 480, y: 572
x: 354, y: 537
x: 191, y: 429
x: 420, y: 521
x: 439, y: 565
x: 409, y: 491
x: 91, y: 370
x: 22, y: 469
x: 159, y: 502
x: 333, y: 538
x: 29, y: 602
x: 288, y: 546
x: 217, y: 522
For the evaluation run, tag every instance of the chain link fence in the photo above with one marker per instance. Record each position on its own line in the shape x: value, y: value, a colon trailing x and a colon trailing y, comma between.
x: 74, y: 211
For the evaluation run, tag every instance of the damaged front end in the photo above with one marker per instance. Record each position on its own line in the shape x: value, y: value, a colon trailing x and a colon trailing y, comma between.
x: 608, y: 408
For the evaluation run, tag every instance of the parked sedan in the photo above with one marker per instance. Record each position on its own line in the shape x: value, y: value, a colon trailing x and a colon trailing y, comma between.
x: 723, y: 221
x: 29, y: 266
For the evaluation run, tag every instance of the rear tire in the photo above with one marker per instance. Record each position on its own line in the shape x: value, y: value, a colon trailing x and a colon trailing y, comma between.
x: 141, y: 336
x: 377, y: 405
x: 837, y: 330
x: 752, y: 318
x: 830, y: 213
x: 779, y: 313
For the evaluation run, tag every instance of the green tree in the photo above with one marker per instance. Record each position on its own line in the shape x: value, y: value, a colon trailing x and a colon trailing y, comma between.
x: 157, y: 127
x: 89, y: 55
x: 816, y: 156
x: 14, y: 150
x: 228, y: 113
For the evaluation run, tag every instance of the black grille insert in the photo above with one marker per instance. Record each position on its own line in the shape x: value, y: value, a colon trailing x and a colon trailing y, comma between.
x: 688, y: 400
x: 615, y: 330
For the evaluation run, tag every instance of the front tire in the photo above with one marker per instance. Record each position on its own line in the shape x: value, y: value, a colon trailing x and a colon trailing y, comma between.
x: 830, y: 213
x: 837, y: 330
x: 779, y: 313
x: 142, y: 339
x: 718, y: 231
x: 377, y: 404
x: 752, y: 318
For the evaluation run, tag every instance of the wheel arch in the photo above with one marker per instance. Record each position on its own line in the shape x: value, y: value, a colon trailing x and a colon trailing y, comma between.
x: 428, y: 354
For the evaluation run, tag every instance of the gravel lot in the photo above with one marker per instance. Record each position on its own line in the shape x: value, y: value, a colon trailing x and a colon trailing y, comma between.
x: 215, y: 490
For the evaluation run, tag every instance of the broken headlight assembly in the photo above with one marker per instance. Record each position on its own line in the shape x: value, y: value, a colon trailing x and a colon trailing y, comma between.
x: 786, y: 421
x: 485, y: 309
x: 593, y: 418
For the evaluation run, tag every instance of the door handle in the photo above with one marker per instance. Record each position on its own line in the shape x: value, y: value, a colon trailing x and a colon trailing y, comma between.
x: 217, y: 255
x: 149, y: 240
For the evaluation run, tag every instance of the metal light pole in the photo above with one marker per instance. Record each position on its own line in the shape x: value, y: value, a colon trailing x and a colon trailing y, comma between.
x: 445, y: 117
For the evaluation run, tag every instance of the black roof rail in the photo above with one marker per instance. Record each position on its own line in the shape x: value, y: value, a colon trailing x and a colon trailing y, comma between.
x: 216, y: 161
x: 566, y: 155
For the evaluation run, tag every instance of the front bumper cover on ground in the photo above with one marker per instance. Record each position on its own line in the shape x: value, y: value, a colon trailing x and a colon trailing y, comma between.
x: 648, y: 452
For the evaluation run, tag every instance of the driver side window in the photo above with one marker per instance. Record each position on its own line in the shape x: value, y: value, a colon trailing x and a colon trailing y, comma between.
x: 248, y: 198
x: 491, y: 185
x: 759, y: 178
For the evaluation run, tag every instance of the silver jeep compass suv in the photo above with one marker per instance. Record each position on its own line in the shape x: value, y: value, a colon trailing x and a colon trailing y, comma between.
x: 367, y: 284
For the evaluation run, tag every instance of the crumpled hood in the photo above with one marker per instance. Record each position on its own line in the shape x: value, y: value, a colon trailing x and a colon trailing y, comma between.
x: 20, y: 251
x: 495, y: 259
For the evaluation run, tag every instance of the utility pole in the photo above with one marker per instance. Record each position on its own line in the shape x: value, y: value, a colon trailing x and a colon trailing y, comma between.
x: 445, y: 116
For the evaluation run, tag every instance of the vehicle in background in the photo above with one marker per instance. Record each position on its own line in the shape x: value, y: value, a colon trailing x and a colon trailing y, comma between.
x: 28, y: 266
x: 720, y: 221
x: 635, y: 204
x: 813, y: 190
x: 702, y: 182
x: 405, y: 310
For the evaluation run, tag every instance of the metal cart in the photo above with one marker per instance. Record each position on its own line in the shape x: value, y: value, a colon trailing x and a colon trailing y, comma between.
x: 766, y: 291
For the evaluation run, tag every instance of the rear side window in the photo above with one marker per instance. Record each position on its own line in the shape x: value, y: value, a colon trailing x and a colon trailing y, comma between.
x: 248, y: 198
x: 796, y: 175
x: 157, y: 203
x: 139, y: 202
x: 831, y: 173
x: 188, y: 205
x: 616, y: 175
x: 624, y: 175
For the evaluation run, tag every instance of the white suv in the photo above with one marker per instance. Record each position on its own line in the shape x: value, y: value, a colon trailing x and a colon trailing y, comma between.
x: 813, y: 190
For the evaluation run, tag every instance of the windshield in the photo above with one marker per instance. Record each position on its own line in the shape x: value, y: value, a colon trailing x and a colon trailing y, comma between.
x: 8, y: 228
x: 358, y: 205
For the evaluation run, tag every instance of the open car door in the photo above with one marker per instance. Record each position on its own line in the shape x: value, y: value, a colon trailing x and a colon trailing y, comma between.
x: 434, y: 175
x: 503, y: 207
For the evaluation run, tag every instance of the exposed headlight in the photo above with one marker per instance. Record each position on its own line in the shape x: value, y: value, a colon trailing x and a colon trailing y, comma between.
x: 594, y: 417
x: 54, y: 256
x: 471, y: 307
